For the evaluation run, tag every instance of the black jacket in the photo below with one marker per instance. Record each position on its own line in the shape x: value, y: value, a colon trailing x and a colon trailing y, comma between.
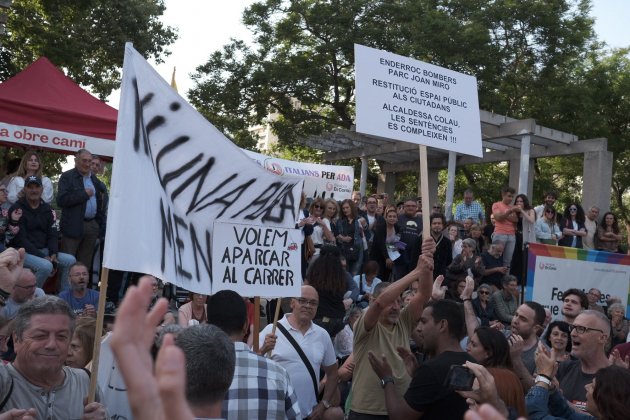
x: 72, y: 199
x: 37, y: 229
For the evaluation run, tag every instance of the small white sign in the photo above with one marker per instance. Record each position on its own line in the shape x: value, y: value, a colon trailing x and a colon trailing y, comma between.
x: 405, y: 99
x: 256, y: 260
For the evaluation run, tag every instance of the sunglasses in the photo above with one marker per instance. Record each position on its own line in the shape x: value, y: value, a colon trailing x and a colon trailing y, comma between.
x: 483, y: 292
x: 317, y: 206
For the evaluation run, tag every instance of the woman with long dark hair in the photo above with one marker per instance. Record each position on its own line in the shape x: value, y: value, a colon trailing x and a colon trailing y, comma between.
x: 327, y: 276
x: 572, y: 225
x: 350, y: 236
x: 384, y: 244
x: 525, y: 233
x: 608, y: 234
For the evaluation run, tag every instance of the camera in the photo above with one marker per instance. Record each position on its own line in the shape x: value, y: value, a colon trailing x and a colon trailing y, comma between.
x: 460, y: 378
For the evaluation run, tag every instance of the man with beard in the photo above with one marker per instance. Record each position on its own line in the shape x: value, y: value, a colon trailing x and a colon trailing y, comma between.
x: 382, y: 329
x: 38, y: 235
x: 411, y: 235
x: 443, y: 255
x: 550, y: 200
x: 526, y: 324
x: 82, y: 301
x: 589, y: 335
x: 441, y: 328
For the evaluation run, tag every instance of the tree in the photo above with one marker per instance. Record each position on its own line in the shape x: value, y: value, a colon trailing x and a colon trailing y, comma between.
x: 532, y: 59
x: 85, y: 38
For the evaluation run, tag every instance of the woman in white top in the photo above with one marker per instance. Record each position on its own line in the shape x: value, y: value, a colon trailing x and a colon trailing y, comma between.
x: 321, y: 226
x: 31, y: 164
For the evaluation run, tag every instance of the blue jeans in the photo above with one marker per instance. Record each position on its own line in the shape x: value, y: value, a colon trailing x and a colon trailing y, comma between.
x: 44, y: 268
x: 509, y: 242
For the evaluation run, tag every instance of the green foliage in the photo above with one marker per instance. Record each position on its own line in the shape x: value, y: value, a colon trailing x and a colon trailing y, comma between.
x: 86, y: 38
x: 532, y: 59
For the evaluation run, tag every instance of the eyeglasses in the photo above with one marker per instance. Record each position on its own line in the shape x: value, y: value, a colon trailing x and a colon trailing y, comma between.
x: 317, y: 206
x: 305, y: 302
x: 483, y: 292
x: 581, y: 330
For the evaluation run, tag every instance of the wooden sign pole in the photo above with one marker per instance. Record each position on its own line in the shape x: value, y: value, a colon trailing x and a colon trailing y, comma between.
x: 256, y: 323
x: 424, y: 192
x: 275, y: 321
x: 98, y: 334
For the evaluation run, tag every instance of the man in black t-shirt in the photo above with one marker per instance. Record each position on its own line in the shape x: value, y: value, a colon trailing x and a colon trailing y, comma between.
x: 589, y: 336
x: 441, y: 327
x: 411, y: 235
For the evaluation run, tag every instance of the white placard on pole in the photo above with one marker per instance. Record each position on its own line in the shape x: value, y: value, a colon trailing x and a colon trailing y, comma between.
x: 405, y: 99
x: 256, y: 260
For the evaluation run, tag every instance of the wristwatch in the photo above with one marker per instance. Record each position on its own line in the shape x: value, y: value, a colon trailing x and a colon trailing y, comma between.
x: 386, y: 380
x: 326, y: 404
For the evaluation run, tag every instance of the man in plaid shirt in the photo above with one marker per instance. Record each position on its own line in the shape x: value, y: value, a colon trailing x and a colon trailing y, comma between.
x: 261, y: 388
x: 469, y: 209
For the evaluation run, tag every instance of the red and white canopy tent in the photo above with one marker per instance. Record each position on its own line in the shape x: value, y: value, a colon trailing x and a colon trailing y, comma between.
x: 41, y: 107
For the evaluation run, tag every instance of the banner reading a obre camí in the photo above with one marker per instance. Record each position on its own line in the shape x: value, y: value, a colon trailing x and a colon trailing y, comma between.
x: 174, y: 176
x: 554, y: 269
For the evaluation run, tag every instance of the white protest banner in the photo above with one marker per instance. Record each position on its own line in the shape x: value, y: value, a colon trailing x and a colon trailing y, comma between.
x: 256, y: 260
x: 409, y: 100
x: 54, y: 139
x: 553, y: 269
x: 325, y: 181
x: 111, y: 383
x: 174, y: 175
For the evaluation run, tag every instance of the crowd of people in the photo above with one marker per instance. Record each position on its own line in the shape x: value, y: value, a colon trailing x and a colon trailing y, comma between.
x: 387, y: 324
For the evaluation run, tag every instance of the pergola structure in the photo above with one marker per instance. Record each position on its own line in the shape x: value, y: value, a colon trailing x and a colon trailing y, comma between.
x: 504, y: 139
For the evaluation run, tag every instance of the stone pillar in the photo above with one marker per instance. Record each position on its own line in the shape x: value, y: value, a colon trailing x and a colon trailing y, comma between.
x: 450, y: 185
x: 597, y: 180
x: 434, y: 182
x: 364, y: 171
x: 515, y: 173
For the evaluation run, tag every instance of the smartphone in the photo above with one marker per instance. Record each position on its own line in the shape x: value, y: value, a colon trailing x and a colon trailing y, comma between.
x: 460, y: 378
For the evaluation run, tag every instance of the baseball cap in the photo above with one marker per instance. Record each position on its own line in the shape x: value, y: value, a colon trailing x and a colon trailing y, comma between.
x: 33, y: 179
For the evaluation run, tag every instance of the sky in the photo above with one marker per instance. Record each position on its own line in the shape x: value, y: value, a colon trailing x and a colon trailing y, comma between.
x: 204, y: 26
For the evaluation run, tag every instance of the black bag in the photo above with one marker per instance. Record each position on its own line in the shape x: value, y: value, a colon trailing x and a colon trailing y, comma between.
x: 350, y: 251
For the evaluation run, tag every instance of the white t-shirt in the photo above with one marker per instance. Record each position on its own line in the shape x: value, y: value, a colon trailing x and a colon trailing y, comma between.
x: 318, y: 348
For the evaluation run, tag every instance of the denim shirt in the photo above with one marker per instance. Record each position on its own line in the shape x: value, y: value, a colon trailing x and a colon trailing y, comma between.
x: 542, y: 405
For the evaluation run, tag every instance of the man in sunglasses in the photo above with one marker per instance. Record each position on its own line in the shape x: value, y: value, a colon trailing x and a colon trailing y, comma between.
x: 589, y: 335
x: 316, y: 345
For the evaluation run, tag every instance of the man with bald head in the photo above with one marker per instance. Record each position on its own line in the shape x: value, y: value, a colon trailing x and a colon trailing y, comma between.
x: 25, y: 289
x: 316, y: 345
x: 589, y: 335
